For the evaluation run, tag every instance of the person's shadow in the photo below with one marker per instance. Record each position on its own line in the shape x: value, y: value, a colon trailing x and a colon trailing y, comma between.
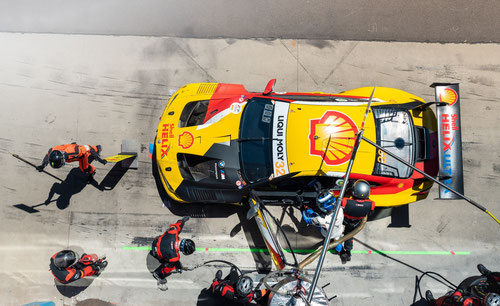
x: 74, y: 288
x: 73, y: 184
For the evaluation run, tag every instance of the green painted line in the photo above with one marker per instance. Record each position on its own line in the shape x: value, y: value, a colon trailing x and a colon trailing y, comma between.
x: 136, y: 248
x: 232, y: 250
x: 411, y: 252
x: 306, y: 251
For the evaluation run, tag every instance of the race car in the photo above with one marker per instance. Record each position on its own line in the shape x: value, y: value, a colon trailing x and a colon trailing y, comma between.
x: 217, y: 143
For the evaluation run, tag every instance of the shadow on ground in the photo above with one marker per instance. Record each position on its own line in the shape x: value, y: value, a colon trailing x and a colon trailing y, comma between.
x: 74, y: 183
x: 93, y: 302
x: 74, y: 288
x: 114, y: 175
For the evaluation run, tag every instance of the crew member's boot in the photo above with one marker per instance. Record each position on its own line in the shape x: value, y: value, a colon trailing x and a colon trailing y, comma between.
x: 345, y: 256
x: 161, y: 282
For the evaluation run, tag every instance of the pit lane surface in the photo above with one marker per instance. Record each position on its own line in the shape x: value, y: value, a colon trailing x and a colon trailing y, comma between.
x: 384, y: 20
x: 102, y: 89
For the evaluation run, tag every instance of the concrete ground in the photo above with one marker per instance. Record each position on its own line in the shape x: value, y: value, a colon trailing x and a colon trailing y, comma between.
x: 451, y: 21
x: 58, y: 89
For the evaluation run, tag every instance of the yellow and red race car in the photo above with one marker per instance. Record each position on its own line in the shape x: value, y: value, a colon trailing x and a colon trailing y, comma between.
x: 217, y: 142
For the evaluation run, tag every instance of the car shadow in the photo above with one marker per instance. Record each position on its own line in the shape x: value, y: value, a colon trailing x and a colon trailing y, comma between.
x: 263, y: 261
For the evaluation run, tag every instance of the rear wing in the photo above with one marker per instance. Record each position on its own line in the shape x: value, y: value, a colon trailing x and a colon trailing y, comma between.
x: 449, y: 139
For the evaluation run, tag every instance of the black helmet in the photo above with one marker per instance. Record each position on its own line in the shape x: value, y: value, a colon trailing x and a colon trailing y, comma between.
x: 361, y: 189
x: 325, y: 201
x: 65, y: 259
x: 244, y: 286
x: 187, y: 246
x: 492, y: 299
x: 56, y: 159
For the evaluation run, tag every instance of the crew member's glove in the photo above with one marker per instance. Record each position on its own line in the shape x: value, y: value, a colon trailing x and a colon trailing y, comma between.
x: 218, y: 288
x: 103, y: 161
x: 39, y: 168
x: 179, y: 267
x: 184, y: 219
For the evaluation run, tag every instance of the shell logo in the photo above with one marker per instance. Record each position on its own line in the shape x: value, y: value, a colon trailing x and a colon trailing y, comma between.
x: 186, y: 140
x: 449, y: 96
x: 340, y: 129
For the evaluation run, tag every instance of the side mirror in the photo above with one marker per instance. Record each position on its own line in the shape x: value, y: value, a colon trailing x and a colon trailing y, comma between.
x: 269, y: 87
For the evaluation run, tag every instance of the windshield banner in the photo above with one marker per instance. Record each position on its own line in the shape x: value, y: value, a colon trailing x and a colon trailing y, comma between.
x: 280, y: 118
x: 450, y: 140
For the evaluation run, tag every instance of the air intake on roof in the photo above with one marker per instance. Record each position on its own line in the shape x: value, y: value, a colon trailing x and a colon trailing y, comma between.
x: 206, y: 88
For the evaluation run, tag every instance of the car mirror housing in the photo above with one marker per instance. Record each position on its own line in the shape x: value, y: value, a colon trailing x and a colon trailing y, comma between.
x: 269, y: 87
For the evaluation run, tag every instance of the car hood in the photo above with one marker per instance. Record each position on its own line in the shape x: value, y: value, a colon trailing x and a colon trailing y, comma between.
x: 306, y: 129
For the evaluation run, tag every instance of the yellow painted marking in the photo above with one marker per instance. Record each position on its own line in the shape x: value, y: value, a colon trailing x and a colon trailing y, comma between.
x: 117, y: 158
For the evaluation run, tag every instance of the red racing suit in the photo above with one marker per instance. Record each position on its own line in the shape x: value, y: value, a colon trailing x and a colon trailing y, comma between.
x: 457, y: 299
x: 77, y: 153
x: 165, y: 248
x: 227, y: 291
x: 72, y: 273
x: 471, y: 291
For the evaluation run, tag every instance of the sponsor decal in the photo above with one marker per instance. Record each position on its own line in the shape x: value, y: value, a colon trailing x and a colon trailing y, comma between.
x: 186, y: 140
x: 243, y: 182
x: 220, y: 115
x: 216, y: 171
x: 236, y: 107
x: 167, y: 133
x: 222, y: 164
x: 280, y: 161
x: 448, y: 95
x: 222, y: 175
x: 448, y: 124
x: 340, y: 129
x: 449, y: 137
x: 238, y: 183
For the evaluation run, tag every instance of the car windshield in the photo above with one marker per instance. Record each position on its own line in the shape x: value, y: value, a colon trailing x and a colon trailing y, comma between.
x: 255, y: 140
x: 395, y: 134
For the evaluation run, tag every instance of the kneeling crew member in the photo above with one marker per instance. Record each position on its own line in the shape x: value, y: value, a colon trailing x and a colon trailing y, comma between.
x: 321, y: 216
x: 236, y: 289
x: 355, y: 209
x: 59, y: 155
x: 166, y: 249
x: 66, y: 267
x: 474, y: 290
